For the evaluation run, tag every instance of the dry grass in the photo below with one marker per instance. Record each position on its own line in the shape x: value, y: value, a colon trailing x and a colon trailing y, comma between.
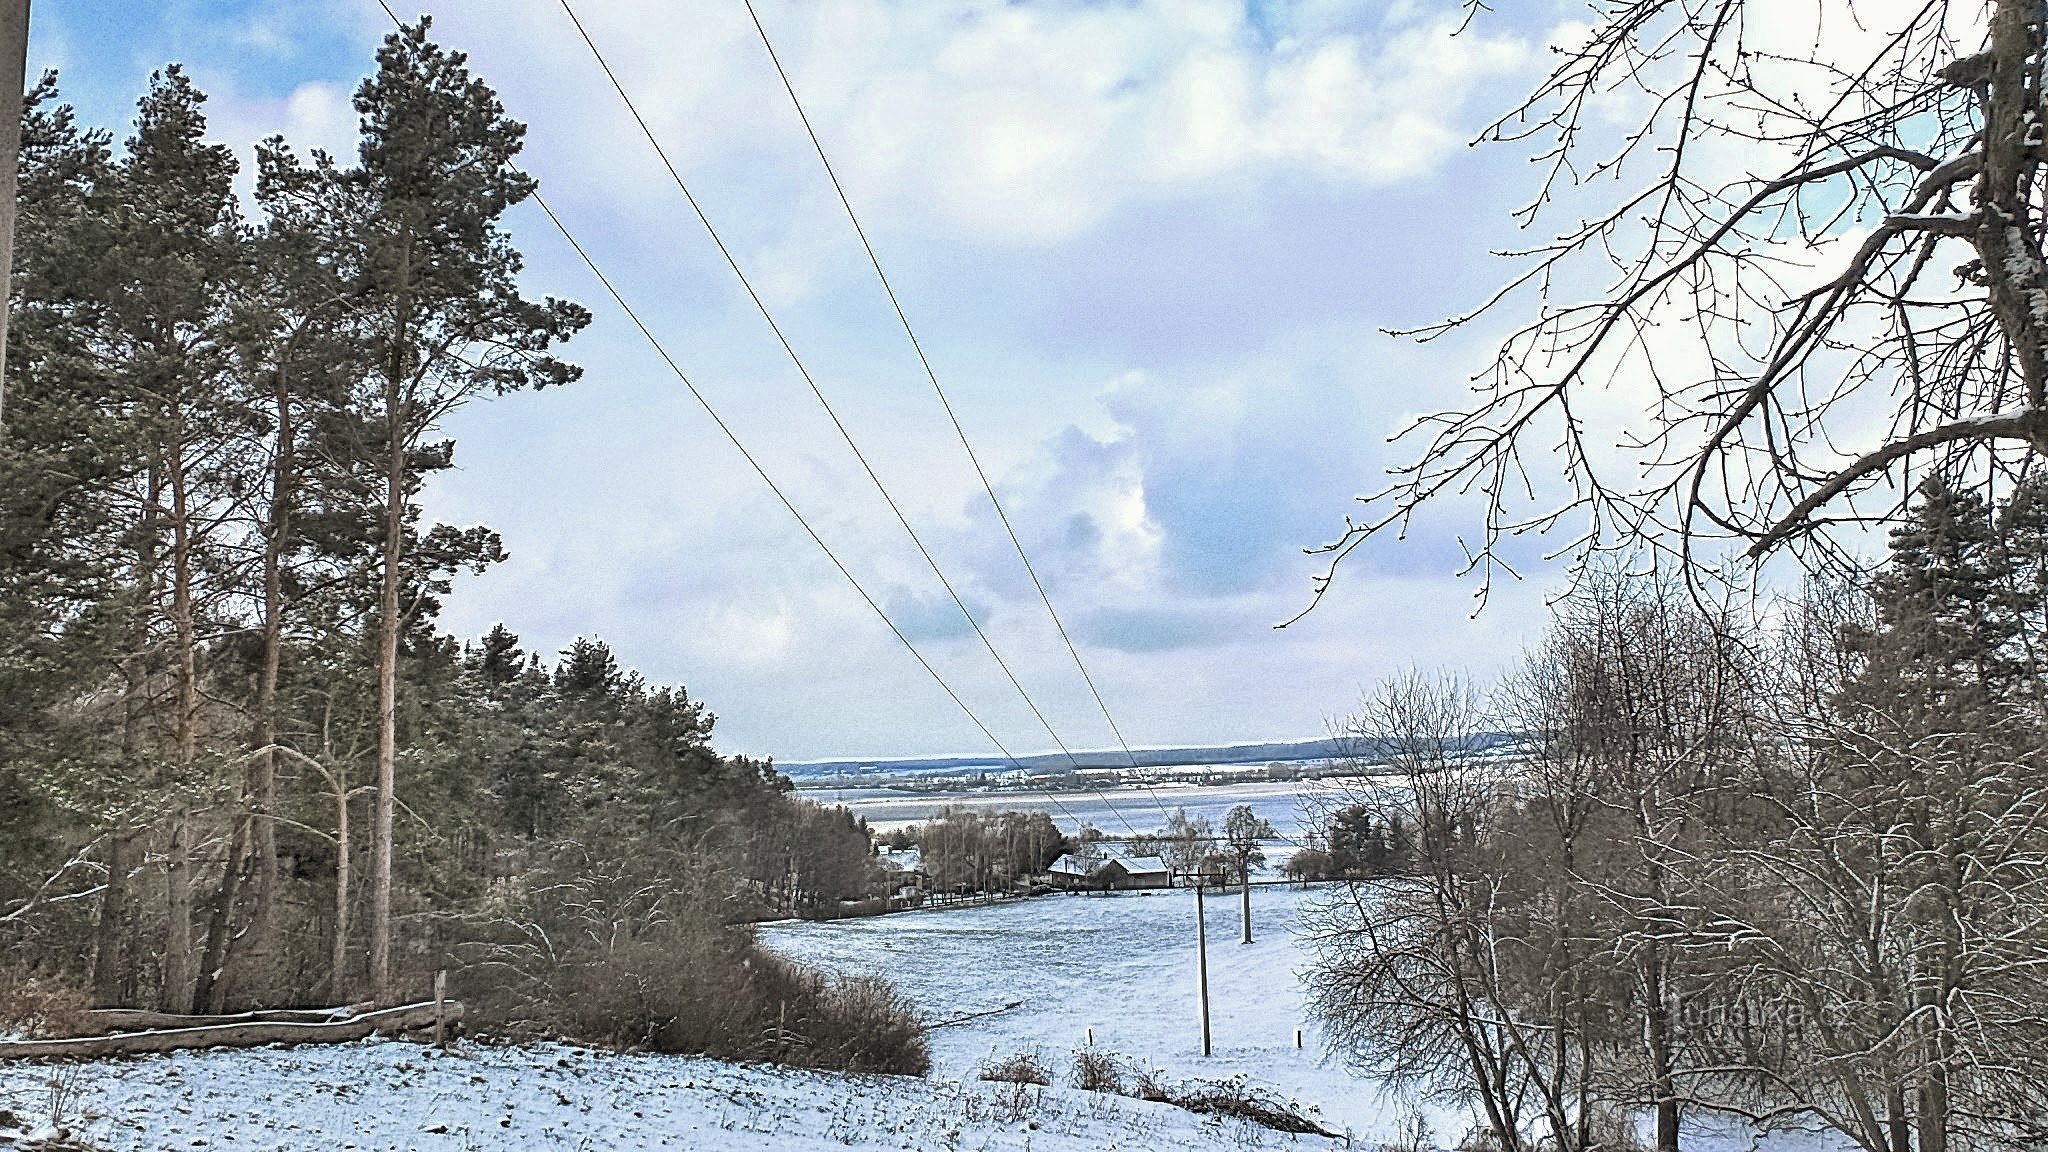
x: 1027, y: 1067
x: 40, y: 1007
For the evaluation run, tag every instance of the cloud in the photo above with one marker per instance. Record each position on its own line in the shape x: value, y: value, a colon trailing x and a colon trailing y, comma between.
x: 1034, y: 122
x: 931, y: 615
x: 1024, y: 123
x: 1153, y: 628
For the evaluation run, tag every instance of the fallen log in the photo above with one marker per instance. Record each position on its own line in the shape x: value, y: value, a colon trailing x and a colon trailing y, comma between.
x: 101, y: 1021
x: 956, y: 1021
x: 253, y: 1034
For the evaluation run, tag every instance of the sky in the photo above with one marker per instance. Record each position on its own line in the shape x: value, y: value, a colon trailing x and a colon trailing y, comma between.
x: 1149, y: 245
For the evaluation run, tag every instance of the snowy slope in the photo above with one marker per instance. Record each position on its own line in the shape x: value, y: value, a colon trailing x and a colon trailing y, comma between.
x: 401, y: 1096
x: 1124, y: 965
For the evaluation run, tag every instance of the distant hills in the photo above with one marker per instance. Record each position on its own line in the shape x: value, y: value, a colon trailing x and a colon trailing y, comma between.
x: 1281, y: 751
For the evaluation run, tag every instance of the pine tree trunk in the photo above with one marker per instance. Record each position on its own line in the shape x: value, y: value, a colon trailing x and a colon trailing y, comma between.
x: 340, y: 985
x: 215, y: 974
x: 388, y: 626
x: 260, y: 781
x: 179, y: 972
x: 176, y: 993
x: 109, y: 975
x: 397, y: 436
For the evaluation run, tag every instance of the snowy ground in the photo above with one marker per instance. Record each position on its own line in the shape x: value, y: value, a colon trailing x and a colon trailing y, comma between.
x: 401, y: 1096
x: 1125, y: 966
x: 1121, y: 965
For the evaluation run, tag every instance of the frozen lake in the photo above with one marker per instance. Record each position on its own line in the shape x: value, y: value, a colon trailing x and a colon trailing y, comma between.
x: 1287, y: 804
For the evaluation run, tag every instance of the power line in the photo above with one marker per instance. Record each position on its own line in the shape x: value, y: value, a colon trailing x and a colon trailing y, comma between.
x: 931, y: 374
x: 817, y: 392
x: 709, y: 410
x: 723, y: 427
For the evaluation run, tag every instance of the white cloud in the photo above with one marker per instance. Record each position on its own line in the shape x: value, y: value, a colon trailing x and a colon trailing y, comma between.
x: 313, y: 115
x: 1035, y: 123
x: 1028, y: 123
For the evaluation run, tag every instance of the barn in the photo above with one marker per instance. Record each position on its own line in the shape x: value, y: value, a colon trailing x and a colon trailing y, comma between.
x: 1113, y: 872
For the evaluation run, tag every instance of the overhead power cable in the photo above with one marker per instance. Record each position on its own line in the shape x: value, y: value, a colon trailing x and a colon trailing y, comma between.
x: 818, y: 393
x: 931, y: 374
x: 760, y: 471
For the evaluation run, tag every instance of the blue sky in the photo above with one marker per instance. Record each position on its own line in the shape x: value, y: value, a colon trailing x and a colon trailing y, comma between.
x: 1149, y: 246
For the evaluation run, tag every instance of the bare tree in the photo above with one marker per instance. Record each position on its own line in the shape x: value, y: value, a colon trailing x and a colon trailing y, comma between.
x: 1413, y: 973
x: 1883, y: 909
x: 1635, y: 709
x: 1825, y: 276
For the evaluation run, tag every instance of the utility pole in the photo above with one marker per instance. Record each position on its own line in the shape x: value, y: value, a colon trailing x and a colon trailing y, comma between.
x: 13, y: 82
x: 1245, y: 914
x: 1202, y: 963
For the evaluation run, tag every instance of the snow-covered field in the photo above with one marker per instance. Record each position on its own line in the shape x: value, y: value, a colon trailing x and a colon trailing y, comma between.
x: 401, y: 1096
x: 1123, y: 965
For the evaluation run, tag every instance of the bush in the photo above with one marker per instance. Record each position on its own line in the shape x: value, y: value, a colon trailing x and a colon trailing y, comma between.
x: 703, y: 989
x: 1025, y: 1067
x: 851, y: 1023
x: 1234, y: 1098
x: 1098, y: 1071
x: 40, y: 1007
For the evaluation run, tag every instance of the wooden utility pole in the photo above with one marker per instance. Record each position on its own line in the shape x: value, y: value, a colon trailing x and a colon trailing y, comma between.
x: 1245, y: 913
x: 1202, y: 963
x: 13, y: 80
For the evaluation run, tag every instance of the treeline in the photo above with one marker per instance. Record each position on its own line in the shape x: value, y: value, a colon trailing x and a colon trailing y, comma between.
x: 1358, y: 842
x: 966, y: 849
x: 239, y: 764
x: 1788, y: 871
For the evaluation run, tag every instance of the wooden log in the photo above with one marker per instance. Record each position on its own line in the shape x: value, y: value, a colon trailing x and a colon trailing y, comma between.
x: 254, y: 1034
x: 101, y: 1021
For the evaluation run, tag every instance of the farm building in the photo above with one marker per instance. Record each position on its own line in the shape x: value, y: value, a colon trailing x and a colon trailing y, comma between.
x: 1114, y: 872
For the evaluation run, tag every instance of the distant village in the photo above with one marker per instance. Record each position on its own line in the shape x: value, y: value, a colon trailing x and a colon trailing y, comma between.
x: 998, y: 778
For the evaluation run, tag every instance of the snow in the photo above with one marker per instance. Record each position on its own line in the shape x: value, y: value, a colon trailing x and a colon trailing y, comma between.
x: 390, y: 1095
x: 1123, y: 965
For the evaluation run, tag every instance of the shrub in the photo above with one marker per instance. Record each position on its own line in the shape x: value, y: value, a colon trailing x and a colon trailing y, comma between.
x: 700, y: 988
x: 38, y: 1007
x: 851, y: 1023
x: 1025, y: 1067
x: 1098, y: 1071
x: 1234, y: 1098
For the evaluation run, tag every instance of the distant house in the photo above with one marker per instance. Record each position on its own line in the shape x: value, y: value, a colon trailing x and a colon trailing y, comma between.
x: 1113, y: 872
x: 1070, y: 871
x: 904, y: 869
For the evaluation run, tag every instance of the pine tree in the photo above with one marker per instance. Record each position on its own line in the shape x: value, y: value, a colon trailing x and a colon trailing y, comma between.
x: 442, y: 320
